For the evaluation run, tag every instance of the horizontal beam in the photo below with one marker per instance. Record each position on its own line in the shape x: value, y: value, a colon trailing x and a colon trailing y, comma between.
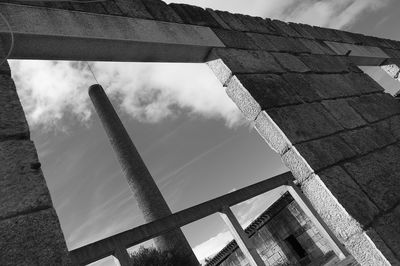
x: 53, y: 34
x: 360, y: 55
x: 106, y: 247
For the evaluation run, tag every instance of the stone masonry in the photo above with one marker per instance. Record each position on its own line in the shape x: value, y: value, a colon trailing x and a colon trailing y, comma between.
x: 270, y: 232
x: 334, y: 127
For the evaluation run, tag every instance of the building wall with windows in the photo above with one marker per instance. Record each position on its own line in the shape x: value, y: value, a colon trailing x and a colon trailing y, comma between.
x: 283, y: 235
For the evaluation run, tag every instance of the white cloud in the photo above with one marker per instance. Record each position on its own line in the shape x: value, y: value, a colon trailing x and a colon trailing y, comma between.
x: 54, y: 91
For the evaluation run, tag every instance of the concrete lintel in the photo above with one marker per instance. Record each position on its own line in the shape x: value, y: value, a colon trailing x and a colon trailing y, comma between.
x: 53, y: 34
x: 105, y: 247
x: 243, y: 241
x: 360, y: 54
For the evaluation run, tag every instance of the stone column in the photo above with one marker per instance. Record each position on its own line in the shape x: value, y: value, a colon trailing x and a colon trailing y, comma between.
x: 149, y: 198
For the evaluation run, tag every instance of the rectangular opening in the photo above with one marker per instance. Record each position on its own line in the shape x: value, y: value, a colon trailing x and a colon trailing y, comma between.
x: 296, y: 246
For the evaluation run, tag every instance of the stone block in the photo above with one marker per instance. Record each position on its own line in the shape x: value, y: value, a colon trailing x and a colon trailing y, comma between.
x: 383, y: 247
x: 290, y: 62
x: 304, y: 122
x: 284, y: 29
x: 33, y: 239
x: 271, y: 133
x: 22, y: 185
x: 287, y: 44
x: 363, y: 83
x: 303, y: 87
x: 328, y: 34
x: 365, y: 251
x: 325, y: 152
x: 344, y: 114
x: 389, y: 127
x: 12, y: 118
x: 232, y: 21
x: 375, y: 107
x: 133, y: 8
x: 297, y: 164
x: 377, y: 174
x: 225, y: 62
x: 268, y: 90
x: 303, y: 30
x: 316, y: 47
x: 262, y: 42
x: 257, y: 24
x: 235, y: 39
x: 345, y: 36
x: 243, y: 99
x: 218, y: 19
x: 159, y: 10
x: 349, y: 194
x: 393, y: 53
x: 367, y: 139
x: 194, y: 15
x: 324, y: 64
x: 388, y: 228
x: 111, y: 8
x: 331, y: 86
x: 342, y: 224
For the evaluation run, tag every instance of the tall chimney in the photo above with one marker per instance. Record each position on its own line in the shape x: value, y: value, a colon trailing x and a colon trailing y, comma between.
x: 149, y: 198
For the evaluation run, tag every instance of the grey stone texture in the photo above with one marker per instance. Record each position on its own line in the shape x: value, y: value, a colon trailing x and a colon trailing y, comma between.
x: 13, y: 123
x: 349, y: 194
x: 22, y: 185
x: 132, y: 8
x: 194, y: 15
x: 161, y: 11
x: 290, y: 62
x: 33, y: 239
x: 377, y: 174
x: 225, y: 62
x: 344, y: 114
x: 304, y: 122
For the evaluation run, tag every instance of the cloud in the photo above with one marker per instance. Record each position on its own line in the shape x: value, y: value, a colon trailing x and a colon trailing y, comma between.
x: 52, y: 92
x: 333, y: 13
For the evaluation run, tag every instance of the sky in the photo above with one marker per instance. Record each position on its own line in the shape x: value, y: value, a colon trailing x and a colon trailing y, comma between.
x: 191, y: 136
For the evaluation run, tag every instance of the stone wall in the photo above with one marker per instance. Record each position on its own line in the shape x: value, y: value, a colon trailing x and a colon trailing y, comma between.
x: 269, y: 233
x: 334, y: 127
x: 30, y: 233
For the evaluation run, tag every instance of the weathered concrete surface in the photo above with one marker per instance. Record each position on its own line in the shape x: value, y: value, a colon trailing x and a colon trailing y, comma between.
x: 22, y: 185
x: 42, y: 33
x: 13, y: 123
x: 32, y: 239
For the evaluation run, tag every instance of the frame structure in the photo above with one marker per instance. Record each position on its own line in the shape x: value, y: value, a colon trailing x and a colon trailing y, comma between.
x: 334, y: 127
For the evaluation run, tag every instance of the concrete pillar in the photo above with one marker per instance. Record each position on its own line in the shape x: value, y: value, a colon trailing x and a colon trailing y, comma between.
x: 245, y: 244
x: 149, y: 198
x: 309, y: 210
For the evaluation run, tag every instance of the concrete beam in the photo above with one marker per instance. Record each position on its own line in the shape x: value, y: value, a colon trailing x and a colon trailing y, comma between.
x: 361, y: 55
x: 242, y: 240
x: 53, y: 34
x: 106, y: 247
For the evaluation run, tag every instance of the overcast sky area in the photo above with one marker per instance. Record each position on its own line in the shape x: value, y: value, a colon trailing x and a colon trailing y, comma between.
x: 191, y: 136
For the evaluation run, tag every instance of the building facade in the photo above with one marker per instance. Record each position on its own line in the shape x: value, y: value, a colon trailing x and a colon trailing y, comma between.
x: 283, y: 235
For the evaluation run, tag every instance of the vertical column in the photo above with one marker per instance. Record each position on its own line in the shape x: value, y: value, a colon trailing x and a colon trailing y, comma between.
x: 149, y: 198
x: 306, y: 206
x: 122, y: 255
x: 30, y: 232
x: 244, y: 243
